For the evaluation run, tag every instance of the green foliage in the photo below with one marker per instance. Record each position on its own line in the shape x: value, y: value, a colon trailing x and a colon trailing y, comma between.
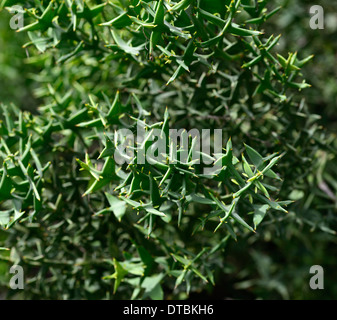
x: 91, y: 228
x: 13, y: 87
x: 294, y: 22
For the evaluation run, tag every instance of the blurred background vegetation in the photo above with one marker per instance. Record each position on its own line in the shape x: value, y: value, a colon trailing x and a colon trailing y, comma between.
x: 293, y: 23
x: 16, y: 85
x: 272, y: 268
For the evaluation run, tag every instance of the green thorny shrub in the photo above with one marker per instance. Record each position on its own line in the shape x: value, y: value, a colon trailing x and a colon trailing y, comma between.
x: 83, y: 226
